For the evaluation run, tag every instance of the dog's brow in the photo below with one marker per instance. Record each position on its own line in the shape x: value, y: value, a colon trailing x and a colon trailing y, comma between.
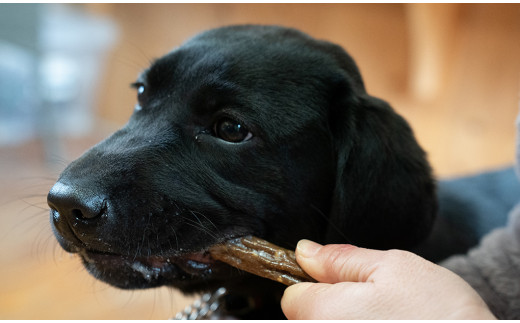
x: 213, y: 95
x: 141, y: 78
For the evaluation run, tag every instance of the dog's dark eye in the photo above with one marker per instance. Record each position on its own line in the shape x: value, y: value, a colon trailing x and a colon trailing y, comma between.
x: 232, y: 131
x: 140, y: 89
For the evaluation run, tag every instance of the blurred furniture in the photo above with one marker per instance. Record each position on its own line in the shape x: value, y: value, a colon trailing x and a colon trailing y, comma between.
x: 52, y: 58
x: 432, y: 29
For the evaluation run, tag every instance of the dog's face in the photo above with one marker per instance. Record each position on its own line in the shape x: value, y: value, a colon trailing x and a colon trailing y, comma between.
x: 242, y: 130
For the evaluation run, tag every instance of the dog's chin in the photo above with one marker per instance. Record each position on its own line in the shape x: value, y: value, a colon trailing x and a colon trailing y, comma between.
x: 191, y: 272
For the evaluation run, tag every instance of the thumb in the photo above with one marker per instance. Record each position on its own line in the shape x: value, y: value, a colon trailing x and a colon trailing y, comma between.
x: 337, y: 262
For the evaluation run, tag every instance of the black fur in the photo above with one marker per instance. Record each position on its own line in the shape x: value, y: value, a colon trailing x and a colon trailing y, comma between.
x: 326, y: 161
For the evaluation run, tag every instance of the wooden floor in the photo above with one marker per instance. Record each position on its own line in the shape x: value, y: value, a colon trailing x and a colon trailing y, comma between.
x: 466, y: 126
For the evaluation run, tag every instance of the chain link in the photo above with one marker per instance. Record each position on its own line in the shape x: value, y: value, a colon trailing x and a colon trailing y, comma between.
x: 203, y: 308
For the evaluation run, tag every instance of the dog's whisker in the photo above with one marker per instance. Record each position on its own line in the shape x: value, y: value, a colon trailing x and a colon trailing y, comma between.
x: 148, y: 250
x: 202, y: 228
x: 28, y: 219
x: 139, y: 247
x: 33, y: 182
x: 207, y: 219
x: 158, y: 242
x: 33, y: 205
x: 35, y: 195
x: 176, y: 238
x: 215, y: 233
x: 196, y: 217
x: 194, y: 213
x: 43, y: 240
x: 330, y: 223
x: 57, y: 251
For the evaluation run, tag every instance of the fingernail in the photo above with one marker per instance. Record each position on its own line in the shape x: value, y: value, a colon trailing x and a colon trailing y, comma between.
x: 307, y: 249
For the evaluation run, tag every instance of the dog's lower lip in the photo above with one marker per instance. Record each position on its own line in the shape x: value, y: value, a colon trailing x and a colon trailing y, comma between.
x: 197, y: 263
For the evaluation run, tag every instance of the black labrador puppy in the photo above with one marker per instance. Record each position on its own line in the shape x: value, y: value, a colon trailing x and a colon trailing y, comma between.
x: 242, y: 130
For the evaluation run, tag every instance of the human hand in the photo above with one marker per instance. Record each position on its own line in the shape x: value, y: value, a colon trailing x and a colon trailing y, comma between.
x: 358, y: 283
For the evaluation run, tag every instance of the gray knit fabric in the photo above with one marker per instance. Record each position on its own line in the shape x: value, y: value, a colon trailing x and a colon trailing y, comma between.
x: 493, y: 268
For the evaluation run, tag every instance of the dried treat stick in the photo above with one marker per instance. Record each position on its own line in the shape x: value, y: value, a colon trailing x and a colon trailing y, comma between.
x: 261, y: 258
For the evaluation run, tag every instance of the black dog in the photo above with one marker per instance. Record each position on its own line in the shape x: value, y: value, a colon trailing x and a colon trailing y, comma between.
x: 242, y: 130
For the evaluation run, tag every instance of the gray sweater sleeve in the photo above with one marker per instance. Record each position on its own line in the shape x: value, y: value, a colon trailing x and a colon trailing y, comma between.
x: 493, y: 268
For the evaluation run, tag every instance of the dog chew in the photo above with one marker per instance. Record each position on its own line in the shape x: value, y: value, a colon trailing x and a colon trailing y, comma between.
x: 262, y: 258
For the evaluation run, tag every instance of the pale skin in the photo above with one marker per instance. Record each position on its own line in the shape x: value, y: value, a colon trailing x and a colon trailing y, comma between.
x: 358, y: 283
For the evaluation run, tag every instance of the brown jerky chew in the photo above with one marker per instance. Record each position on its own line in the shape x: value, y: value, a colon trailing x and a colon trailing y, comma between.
x: 261, y: 258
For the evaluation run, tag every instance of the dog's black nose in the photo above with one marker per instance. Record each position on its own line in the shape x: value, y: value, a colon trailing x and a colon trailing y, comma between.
x: 75, y: 203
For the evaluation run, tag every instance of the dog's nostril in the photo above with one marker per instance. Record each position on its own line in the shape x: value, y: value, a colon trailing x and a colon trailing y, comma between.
x: 92, y: 210
x: 75, y: 203
x: 78, y: 214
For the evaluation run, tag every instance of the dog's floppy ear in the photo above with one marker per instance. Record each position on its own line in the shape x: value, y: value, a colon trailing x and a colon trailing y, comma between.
x: 385, y: 194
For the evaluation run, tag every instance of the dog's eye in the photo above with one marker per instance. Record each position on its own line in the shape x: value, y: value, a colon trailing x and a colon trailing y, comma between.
x: 232, y: 131
x: 140, y: 89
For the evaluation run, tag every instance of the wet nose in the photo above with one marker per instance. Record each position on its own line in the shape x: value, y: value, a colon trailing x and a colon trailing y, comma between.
x: 75, y: 203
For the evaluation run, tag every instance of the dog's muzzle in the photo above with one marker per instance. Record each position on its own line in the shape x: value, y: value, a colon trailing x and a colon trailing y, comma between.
x: 83, y: 223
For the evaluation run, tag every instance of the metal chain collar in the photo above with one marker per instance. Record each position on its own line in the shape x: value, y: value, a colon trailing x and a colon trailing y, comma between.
x: 203, y: 308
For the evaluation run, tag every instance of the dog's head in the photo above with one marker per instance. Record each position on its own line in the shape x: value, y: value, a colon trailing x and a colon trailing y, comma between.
x: 242, y: 130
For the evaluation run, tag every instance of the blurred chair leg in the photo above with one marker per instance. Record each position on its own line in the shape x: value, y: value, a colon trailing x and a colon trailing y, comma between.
x: 432, y: 35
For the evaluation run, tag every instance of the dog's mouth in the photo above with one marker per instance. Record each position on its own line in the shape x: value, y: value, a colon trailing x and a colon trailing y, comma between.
x: 193, y: 263
x: 130, y: 272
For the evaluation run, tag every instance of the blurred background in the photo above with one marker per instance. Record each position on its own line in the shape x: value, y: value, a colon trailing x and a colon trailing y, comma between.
x: 452, y: 70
